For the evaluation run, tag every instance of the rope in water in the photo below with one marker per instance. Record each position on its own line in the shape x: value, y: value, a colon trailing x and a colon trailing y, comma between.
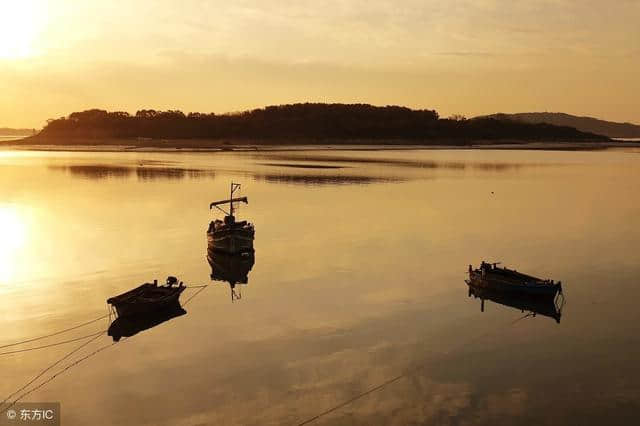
x: 202, y: 287
x: 74, y: 363
x: 66, y: 330
x: 395, y: 379
x: 54, y: 334
x: 45, y: 370
x: 63, y: 370
x: 64, y: 342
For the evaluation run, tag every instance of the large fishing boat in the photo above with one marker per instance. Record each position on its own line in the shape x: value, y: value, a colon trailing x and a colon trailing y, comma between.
x: 229, y: 236
x: 489, y: 275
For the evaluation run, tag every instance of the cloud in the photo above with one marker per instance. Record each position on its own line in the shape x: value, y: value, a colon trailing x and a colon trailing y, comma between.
x: 470, y: 57
x: 468, y: 53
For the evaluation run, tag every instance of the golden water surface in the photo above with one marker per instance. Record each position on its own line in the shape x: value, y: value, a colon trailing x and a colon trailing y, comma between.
x: 358, y: 285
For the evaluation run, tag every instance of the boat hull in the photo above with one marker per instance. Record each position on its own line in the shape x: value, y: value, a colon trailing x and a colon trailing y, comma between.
x: 137, y: 301
x: 499, y: 283
x: 230, y: 240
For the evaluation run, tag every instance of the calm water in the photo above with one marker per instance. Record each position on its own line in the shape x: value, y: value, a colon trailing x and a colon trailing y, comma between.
x: 358, y: 280
x: 10, y: 137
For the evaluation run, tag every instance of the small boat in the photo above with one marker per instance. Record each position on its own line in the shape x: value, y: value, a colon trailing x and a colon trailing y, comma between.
x: 490, y: 276
x: 132, y: 325
x: 229, y: 236
x: 147, y: 298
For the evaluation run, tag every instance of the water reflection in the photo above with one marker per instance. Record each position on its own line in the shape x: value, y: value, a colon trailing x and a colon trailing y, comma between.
x: 14, y: 234
x: 303, y: 332
x: 234, y: 269
x: 302, y: 166
x: 151, y: 173
x: 420, y: 164
x: 142, y: 172
x: 548, y: 307
x: 324, y: 179
x: 130, y: 326
x: 95, y: 171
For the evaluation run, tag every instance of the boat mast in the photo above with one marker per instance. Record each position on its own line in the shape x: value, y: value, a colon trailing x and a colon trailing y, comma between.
x: 234, y: 187
x: 231, y: 202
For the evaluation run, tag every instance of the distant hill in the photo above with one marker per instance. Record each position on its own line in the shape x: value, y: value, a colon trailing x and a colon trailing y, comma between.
x: 309, y: 122
x: 6, y: 131
x: 584, y: 124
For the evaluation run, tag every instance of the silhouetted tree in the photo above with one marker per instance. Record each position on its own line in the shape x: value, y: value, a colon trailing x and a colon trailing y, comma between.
x: 304, y: 121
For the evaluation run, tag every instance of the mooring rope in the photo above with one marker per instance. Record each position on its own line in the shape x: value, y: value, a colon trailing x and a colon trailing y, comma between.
x: 74, y: 363
x: 398, y: 377
x: 66, y: 330
x: 27, y: 393
x: 45, y: 370
x: 56, y: 333
x: 64, y: 342
x: 337, y: 407
x: 201, y: 287
x: 63, y: 370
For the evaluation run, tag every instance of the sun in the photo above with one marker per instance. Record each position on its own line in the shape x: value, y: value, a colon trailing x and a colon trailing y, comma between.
x: 21, y: 22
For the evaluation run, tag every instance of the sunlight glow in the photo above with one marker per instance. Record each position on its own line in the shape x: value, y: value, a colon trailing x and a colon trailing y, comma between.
x: 14, y: 233
x: 20, y: 25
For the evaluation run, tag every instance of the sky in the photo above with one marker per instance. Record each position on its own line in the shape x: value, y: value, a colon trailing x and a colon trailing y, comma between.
x: 468, y: 57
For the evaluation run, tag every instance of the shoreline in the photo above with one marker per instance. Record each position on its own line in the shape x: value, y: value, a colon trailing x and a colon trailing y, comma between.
x: 191, y: 145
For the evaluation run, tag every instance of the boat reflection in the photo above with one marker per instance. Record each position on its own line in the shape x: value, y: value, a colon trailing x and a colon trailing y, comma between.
x: 130, y: 326
x: 232, y: 268
x: 548, y: 307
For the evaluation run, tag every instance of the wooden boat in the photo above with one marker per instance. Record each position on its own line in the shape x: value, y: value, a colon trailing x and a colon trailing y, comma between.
x: 229, y: 236
x: 545, y: 306
x: 147, y: 298
x: 132, y: 325
x: 490, y: 276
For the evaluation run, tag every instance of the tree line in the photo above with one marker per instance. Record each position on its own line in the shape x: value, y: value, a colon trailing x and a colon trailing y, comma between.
x: 301, y: 121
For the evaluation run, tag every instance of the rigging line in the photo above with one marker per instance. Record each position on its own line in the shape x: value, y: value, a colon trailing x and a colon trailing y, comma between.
x: 528, y: 315
x: 395, y: 379
x: 52, y: 344
x: 194, y: 295
x: 55, y: 334
x: 69, y: 366
x: 47, y: 369
x: 197, y: 286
